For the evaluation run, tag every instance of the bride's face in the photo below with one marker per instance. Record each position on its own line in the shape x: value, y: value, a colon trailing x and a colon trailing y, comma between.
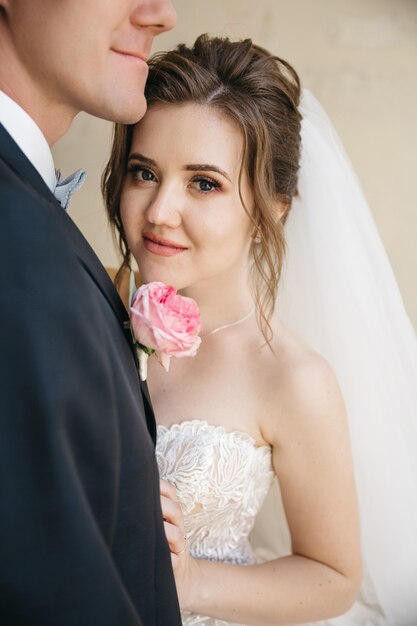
x: 180, y: 205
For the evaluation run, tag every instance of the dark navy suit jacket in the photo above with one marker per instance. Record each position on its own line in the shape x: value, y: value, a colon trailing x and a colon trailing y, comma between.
x: 81, y: 533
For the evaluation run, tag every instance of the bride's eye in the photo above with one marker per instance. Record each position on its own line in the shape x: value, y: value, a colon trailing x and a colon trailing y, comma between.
x: 141, y: 174
x: 205, y: 185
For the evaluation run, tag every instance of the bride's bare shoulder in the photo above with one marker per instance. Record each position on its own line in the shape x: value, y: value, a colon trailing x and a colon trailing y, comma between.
x: 299, y: 384
x: 289, y: 356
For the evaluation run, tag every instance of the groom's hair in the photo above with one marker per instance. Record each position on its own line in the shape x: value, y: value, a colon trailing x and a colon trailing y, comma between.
x: 259, y: 93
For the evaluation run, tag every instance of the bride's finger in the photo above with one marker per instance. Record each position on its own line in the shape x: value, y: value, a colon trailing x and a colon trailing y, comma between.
x: 175, y: 538
x: 171, y: 512
x: 168, y: 489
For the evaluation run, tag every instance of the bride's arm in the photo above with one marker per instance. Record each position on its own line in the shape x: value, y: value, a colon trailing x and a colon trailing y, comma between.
x: 312, y: 459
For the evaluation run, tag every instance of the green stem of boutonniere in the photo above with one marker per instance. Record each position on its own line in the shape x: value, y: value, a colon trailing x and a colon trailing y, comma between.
x: 148, y: 351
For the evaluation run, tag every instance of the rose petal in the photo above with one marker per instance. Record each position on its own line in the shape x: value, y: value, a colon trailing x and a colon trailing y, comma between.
x: 165, y: 321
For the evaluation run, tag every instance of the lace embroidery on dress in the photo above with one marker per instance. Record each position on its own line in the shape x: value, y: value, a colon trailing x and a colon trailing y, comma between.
x: 222, y: 478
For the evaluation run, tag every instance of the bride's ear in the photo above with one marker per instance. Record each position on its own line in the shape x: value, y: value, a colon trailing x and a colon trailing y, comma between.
x: 282, y: 206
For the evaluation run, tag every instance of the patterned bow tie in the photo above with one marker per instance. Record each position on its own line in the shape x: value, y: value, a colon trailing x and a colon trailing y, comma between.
x: 65, y: 189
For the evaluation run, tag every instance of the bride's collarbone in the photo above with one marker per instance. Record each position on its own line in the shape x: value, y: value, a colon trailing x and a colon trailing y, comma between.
x: 236, y: 388
x: 233, y: 404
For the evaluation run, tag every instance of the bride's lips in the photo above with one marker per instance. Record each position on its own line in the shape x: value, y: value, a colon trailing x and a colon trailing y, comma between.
x: 160, y: 245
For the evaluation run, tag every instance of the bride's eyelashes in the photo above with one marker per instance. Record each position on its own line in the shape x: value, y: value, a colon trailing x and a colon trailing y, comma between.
x: 202, y: 184
x: 141, y: 174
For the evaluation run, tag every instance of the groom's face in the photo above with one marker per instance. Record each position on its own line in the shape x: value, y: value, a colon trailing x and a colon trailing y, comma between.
x: 86, y: 55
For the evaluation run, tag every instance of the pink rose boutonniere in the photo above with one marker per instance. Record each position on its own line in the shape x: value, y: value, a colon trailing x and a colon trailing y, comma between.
x: 163, y: 323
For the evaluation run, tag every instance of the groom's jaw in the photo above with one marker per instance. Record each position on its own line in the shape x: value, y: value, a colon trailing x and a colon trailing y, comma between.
x: 87, y: 55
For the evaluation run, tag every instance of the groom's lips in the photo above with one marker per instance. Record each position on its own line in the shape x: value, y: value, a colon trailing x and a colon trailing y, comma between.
x: 160, y: 245
x: 131, y: 54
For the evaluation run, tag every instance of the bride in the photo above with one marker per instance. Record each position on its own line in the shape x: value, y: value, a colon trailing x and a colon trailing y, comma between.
x: 204, y: 191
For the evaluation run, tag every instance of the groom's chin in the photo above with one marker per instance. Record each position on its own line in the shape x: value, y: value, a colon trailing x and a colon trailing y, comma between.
x: 125, y: 108
x: 132, y: 111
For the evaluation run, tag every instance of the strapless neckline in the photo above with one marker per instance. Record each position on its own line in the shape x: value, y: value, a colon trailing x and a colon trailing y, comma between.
x: 221, y: 430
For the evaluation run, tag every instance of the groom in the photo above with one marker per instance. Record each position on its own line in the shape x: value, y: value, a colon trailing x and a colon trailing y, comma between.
x: 81, y: 535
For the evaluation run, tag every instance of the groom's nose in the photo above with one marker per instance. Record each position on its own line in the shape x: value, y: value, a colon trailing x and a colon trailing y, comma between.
x: 157, y: 15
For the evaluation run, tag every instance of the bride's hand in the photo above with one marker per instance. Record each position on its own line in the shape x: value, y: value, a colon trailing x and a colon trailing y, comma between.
x: 184, y: 566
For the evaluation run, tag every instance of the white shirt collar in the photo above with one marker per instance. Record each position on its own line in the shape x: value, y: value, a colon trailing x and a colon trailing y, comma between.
x: 28, y: 137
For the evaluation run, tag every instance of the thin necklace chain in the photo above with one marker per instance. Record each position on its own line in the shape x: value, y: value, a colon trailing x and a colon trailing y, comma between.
x: 219, y: 328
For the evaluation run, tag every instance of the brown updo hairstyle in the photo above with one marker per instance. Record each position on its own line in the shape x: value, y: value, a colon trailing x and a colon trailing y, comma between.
x: 259, y: 93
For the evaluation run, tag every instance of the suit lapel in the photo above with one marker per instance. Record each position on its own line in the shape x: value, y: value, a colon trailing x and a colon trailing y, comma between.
x: 150, y: 418
x: 20, y: 164
x: 98, y: 273
x: 17, y: 160
x: 24, y: 169
x: 96, y: 270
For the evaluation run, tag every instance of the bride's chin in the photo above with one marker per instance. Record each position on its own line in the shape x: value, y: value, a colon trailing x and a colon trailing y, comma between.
x: 156, y: 272
x: 161, y: 277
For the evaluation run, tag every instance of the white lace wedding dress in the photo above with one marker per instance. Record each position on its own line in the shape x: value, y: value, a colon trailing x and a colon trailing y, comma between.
x: 222, y: 479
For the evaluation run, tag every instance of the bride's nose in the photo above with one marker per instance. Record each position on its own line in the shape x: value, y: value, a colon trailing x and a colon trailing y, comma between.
x: 164, y: 209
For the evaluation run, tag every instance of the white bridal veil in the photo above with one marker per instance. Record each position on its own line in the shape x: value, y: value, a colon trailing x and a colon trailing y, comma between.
x: 338, y: 292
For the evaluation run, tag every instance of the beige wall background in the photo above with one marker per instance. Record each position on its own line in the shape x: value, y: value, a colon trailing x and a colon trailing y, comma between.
x: 359, y: 57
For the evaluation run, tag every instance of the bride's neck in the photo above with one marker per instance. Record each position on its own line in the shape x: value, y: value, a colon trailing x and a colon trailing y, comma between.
x: 221, y: 302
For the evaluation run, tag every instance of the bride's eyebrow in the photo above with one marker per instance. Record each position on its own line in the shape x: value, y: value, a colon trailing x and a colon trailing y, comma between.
x: 192, y: 167
x: 142, y: 158
x: 206, y: 167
